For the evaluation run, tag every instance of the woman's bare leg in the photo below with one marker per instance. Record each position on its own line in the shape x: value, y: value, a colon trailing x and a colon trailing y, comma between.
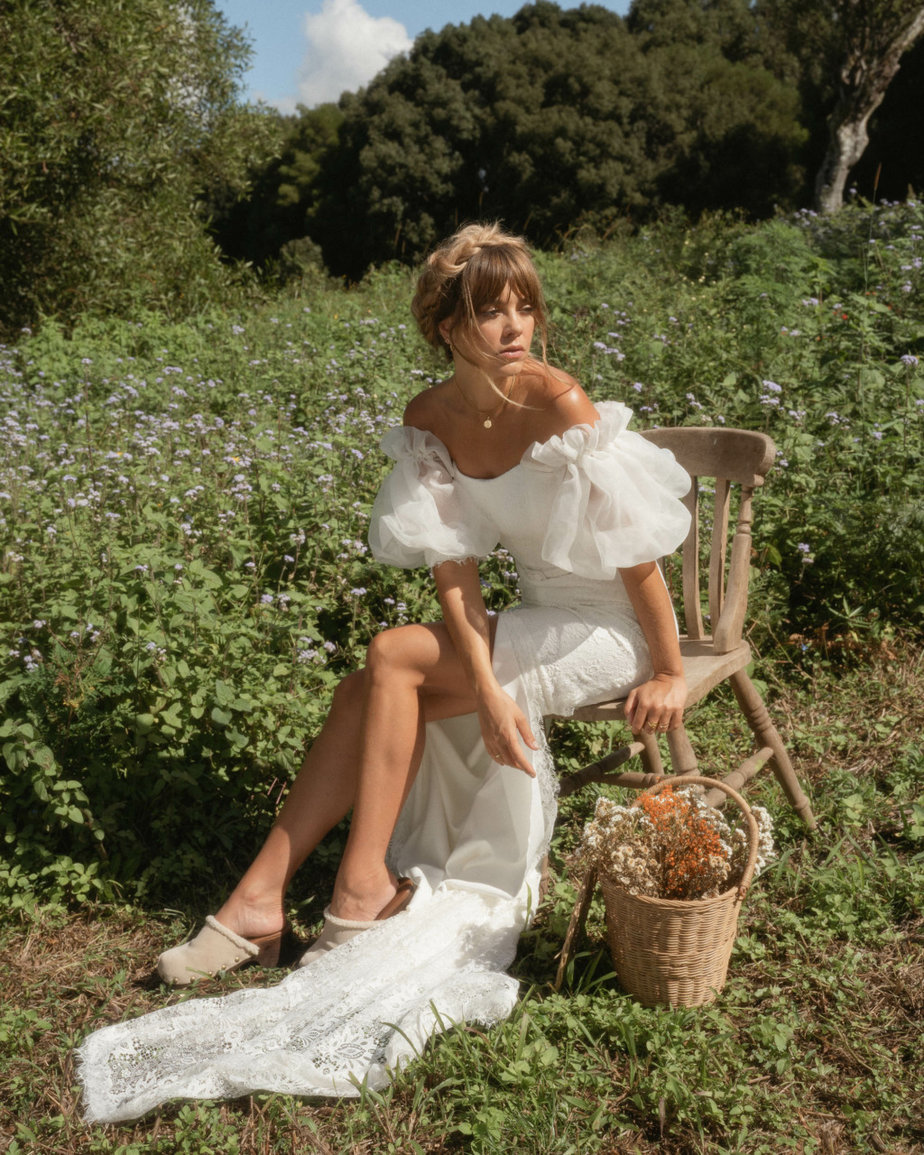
x: 366, y: 757
x: 318, y: 799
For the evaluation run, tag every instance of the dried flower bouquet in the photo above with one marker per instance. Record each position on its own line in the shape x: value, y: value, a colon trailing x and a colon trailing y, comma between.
x: 670, y: 845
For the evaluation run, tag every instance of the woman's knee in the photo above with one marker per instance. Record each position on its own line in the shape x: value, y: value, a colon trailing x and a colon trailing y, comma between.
x: 396, y: 651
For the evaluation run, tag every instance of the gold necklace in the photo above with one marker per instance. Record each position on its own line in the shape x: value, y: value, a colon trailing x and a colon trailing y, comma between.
x: 488, y: 421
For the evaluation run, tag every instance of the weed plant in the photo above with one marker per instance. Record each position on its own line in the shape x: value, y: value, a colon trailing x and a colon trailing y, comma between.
x: 184, y: 576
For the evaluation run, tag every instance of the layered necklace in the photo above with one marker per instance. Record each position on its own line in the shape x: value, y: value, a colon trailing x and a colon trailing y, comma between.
x: 486, y: 416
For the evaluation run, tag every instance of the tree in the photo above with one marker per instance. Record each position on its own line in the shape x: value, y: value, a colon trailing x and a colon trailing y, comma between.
x: 736, y: 138
x: 893, y: 164
x: 554, y: 119
x: 726, y: 25
x: 270, y: 226
x: 726, y: 129
x: 117, y: 119
x: 850, y: 51
x: 872, y: 37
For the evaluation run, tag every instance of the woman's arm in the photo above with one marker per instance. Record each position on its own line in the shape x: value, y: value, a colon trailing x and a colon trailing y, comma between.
x: 503, y: 723
x: 658, y: 703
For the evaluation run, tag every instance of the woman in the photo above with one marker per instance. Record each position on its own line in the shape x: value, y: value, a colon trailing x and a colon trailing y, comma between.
x: 437, y: 744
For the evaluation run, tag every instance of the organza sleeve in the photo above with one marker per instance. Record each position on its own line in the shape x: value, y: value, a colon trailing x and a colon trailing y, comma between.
x: 420, y: 516
x: 619, y: 500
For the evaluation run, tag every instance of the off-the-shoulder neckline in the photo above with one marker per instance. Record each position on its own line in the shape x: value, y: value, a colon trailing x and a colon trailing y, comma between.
x: 457, y: 472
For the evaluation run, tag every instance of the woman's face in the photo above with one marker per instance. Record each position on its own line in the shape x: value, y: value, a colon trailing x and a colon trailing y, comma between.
x: 502, y: 337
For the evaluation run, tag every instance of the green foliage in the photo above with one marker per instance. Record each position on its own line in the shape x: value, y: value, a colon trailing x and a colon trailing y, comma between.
x: 552, y: 120
x: 189, y: 587
x: 115, y: 120
x: 184, y: 509
x: 271, y: 226
x: 734, y: 135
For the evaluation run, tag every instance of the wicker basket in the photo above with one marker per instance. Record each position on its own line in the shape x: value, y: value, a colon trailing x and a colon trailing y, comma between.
x: 676, y: 952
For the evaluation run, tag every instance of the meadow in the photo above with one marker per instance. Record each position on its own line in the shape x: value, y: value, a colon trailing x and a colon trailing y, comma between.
x: 184, y: 577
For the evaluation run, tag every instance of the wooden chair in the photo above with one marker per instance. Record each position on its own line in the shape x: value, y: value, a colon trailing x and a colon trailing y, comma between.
x: 712, y: 646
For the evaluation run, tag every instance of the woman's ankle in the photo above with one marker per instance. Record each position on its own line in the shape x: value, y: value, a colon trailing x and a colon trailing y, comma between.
x: 361, y: 900
x: 252, y: 914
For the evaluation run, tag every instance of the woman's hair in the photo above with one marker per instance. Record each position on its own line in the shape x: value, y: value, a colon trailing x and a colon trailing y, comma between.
x: 470, y: 270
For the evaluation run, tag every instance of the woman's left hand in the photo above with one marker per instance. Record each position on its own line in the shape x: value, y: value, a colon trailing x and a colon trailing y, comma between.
x: 657, y: 705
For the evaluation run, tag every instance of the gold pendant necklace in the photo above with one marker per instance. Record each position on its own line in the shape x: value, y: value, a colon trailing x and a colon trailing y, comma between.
x: 488, y: 421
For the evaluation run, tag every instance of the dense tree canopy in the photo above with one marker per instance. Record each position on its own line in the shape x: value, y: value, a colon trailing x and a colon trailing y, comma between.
x: 552, y: 120
x: 131, y: 164
x: 561, y: 118
x: 273, y: 225
x: 115, y: 119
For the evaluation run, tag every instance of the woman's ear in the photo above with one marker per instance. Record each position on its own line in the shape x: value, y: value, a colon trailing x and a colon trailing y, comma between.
x: 445, y: 329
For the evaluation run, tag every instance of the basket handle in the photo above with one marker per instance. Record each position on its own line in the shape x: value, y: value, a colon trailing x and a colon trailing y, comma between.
x: 714, y: 783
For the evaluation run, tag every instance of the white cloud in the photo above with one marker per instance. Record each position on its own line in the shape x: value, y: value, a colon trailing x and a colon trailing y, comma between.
x: 346, y: 48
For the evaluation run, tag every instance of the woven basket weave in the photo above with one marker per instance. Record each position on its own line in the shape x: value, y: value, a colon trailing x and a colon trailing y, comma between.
x: 673, y: 952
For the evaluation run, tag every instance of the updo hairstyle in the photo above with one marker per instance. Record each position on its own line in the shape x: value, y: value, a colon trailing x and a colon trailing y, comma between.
x: 469, y: 271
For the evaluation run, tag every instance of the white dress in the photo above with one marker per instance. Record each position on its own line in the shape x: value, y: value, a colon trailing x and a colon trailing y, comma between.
x: 575, y: 510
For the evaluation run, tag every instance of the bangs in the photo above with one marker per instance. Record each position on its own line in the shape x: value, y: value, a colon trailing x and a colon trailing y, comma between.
x: 490, y: 271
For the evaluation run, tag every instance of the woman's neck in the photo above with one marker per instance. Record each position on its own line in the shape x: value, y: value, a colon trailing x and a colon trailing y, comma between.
x: 486, y: 401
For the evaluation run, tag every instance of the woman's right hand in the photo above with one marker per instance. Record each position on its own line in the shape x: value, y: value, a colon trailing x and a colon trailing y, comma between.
x: 505, y: 729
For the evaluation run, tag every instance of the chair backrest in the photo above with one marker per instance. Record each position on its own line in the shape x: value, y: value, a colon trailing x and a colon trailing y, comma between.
x: 732, y: 457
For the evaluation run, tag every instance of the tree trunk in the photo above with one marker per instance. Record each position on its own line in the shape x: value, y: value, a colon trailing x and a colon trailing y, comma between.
x: 847, y: 141
x: 865, y: 75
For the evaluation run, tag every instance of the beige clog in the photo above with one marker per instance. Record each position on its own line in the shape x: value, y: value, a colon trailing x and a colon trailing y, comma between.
x: 215, y: 949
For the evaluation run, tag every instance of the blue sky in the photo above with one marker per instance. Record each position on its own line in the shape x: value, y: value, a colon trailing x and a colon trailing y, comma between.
x: 309, y: 51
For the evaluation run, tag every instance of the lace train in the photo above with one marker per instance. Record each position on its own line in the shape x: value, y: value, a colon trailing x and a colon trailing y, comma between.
x: 357, y: 1013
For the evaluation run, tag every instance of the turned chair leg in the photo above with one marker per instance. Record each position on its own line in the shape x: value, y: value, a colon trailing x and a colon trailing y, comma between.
x: 683, y: 758
x: 651, y: 754
x: 763, y: 729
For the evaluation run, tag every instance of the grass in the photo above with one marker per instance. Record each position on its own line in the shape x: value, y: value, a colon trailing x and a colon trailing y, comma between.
x: 815, y: 1045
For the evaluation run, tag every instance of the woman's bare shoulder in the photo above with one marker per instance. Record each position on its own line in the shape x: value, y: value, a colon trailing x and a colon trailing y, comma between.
x: 425, y: 411
x: 564, y: 402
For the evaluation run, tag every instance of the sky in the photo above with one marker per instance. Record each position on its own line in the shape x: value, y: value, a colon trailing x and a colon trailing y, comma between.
x: 310, y: 51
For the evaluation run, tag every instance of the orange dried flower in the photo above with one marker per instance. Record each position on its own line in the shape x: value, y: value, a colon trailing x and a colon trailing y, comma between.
x: 670, y: 845
x: 686, y: 844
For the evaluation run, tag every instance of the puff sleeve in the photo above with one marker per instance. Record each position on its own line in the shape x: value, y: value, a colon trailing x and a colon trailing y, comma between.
x: 420, y: 516
x: 618, y: 502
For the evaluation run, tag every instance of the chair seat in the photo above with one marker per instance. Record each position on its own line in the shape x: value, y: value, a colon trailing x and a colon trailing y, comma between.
x: 703, y: 669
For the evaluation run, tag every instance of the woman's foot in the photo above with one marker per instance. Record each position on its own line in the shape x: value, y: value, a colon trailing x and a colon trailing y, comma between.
x: 338, y: 930
x: 252, y: 916
x: 367, y: 904
x: 217, y: 948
